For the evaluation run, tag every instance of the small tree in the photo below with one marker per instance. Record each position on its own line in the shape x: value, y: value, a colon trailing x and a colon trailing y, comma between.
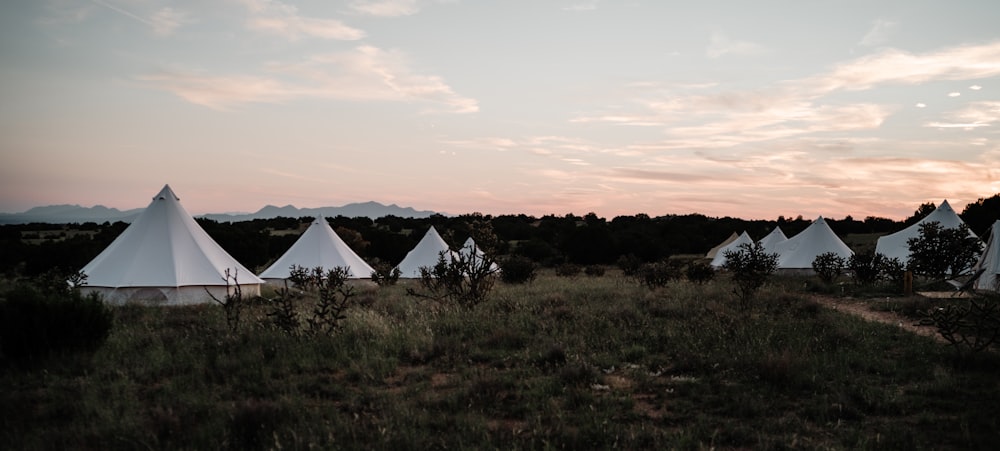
x: 828, y: 266
x: 333, y: 297
x: 750, y: 266
x: 939, y: 252
x: 233, y: 302
x: 465, y: 277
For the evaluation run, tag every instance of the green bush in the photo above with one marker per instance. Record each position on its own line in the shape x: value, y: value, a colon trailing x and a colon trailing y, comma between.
x: 751, y: 266
x: 629, y: 264
x: 35, y: 324
x: 700, y: 273
x: 568, y: 270
x: 516, y: 270
x: 384, y: 274
x: 939, y: 252
x: 463, y: 279
x: 868, y: 268
x: 594, y: 270
x: 657, y: 275
x: 828, y: 266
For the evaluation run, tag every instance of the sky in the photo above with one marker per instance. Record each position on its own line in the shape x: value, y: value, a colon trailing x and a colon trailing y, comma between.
x: 747, y: 109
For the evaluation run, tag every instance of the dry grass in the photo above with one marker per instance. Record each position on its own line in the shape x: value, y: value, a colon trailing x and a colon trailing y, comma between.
x: 579, y: 363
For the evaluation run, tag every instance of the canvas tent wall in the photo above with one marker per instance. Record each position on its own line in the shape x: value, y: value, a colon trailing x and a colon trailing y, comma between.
x: 989, y: 280
x: 715, y: 250
x: 799, y: 251
x: 165, y: 258
x: 773, y: 239
x: 720, y: 257
x: 424, y: 254
x: 318, y: 246
x: 895, y: 245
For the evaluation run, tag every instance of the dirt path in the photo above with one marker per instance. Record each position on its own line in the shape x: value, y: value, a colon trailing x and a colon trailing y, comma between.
x: 860, y: 308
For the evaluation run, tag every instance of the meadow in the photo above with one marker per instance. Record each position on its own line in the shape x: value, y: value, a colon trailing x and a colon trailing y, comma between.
x: 560, y: 363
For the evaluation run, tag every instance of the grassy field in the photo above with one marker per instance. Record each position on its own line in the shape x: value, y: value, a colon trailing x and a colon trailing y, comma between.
x: 561, y: 363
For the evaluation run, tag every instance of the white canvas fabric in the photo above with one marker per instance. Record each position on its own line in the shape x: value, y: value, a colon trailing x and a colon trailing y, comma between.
x: 771, y: 240
x: 720, y: 256
x: 715, y: 250
x: 990, y: 262
x: 165, y: 257
x: 799, y: 251
x: 424, y: 254
x: 894, y: 245
x: 319, y: 246
x: 469, y: 248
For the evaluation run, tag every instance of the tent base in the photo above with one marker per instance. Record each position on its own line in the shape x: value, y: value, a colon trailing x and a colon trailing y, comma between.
x: 165, y: 296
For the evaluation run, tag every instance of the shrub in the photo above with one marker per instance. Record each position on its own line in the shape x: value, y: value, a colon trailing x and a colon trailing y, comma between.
x: 568, y: 270
x: 463, y: 279
x: 659, y: 274
x: 700, y: 273
x: 629, y: 264
x: 868, y: 268
x: 233, y: 303
x: 594, y: 270
x: 751, y: 266
x: 517, y: 270
x: 938, y: 251
x: 384, y: 274
x: 36, y: 323
x: 333, y: 297
x: 468, y: 276
x: 970, y: 326
x: 828, y: 266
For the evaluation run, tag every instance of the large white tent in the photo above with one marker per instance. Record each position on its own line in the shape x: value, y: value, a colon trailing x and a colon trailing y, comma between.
x: 715, y: 250
x: 165, y: 258
x: 799, y: 251
x: 895, y: 245
x: 989, y: 262
x: 318, y: 246
x: 424, y: 254
x: 720, y: 256
x: 771, y: 240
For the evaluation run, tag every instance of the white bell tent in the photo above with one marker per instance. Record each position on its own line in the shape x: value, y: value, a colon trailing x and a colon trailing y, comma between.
x: 424, y: 254
x: 771, y: 240
x: 989, y: 262
x: 318, y: 246
x: 165, y: 258
x: 895, y: 245
x: 715, y: 250
x: 720, y: 256
x: 799, y: 251
x: 470, y: 248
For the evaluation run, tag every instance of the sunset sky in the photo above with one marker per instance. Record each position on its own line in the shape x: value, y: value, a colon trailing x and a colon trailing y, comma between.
x: 748, y: 109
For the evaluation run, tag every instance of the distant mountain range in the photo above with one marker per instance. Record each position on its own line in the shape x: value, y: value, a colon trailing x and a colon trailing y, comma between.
x: 65, y: 214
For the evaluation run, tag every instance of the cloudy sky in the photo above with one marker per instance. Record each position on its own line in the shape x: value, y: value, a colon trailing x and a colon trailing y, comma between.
x: 748, y: 109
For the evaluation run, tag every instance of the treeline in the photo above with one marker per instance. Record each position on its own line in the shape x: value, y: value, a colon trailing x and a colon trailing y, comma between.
x: 548, y: 240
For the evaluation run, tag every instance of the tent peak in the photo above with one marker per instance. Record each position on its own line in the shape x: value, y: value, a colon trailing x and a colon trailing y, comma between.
x: 166, y: 193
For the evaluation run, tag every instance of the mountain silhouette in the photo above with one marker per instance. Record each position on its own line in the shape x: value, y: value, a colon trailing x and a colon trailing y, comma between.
x: 66, y: 214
